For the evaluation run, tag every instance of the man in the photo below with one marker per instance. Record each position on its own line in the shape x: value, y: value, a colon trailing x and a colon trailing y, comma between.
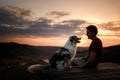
x: 91, y: 61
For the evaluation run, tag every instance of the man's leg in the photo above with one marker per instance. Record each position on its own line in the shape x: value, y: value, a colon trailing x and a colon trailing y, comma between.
x: 78, y: 61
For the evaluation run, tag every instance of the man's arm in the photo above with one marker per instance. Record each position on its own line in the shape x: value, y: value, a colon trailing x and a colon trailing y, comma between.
x: 90, y: 59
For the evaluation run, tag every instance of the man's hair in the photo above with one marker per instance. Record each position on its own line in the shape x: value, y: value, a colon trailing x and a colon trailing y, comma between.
x: 93, y: 28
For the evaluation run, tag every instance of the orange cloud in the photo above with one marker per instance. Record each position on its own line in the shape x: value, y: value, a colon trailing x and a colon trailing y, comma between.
x: 110, y: 33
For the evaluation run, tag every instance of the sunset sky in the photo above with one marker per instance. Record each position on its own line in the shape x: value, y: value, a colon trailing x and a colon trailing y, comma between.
x: 51, y: 22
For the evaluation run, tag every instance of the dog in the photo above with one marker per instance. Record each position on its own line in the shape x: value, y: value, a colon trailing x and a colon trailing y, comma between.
x: 63, y: 57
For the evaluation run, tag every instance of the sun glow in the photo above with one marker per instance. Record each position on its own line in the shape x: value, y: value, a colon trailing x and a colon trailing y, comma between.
x: 94, y: 20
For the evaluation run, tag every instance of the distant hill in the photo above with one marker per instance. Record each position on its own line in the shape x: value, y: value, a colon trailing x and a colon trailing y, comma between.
x: 109, y: 54
x: 14, y: 49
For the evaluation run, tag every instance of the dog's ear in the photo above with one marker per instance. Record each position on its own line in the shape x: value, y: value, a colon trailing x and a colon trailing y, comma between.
x: 72, y: 38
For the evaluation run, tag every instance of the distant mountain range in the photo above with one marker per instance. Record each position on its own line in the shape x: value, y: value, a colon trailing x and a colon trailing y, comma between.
x: 14, y: 49
x: 109, y: 54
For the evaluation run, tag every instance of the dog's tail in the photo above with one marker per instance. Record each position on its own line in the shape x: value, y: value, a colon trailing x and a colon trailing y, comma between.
x: 34, y: 68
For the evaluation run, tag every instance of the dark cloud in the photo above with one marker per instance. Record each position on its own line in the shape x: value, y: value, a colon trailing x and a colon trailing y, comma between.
x: 13, y: 21
x: 69, y: 26
x: 14, y: 16
x: 112, y: 26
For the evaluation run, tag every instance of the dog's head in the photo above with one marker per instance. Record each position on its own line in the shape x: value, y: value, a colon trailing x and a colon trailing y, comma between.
x: 74, y: 39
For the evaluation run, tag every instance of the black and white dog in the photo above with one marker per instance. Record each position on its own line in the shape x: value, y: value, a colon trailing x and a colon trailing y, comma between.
x: 63, y: 57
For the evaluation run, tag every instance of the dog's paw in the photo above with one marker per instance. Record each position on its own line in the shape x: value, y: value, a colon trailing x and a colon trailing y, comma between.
x: 70, y: 66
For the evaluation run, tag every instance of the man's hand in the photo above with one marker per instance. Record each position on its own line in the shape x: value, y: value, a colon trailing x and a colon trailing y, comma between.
x: 90, y: 59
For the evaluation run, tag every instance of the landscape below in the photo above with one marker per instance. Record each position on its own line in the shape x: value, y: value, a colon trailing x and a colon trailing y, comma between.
x: 15, y: 58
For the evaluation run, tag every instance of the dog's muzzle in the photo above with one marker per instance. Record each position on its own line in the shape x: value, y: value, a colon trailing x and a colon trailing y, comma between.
x: 77, y: 41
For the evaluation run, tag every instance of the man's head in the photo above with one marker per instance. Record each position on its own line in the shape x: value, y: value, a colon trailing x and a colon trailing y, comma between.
x: 91, y: 31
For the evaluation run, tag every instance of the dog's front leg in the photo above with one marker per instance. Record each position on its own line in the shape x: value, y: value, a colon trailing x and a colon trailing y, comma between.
x: 68, y: 63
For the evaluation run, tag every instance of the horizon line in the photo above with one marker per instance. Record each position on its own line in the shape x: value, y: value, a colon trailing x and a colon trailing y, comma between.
x: 50, y: 45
